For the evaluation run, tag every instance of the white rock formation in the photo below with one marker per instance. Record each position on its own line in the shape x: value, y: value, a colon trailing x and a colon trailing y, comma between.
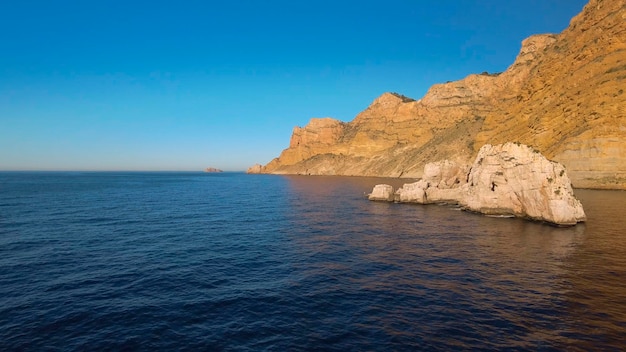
x: 512, y: 178
x: 506, y: 179
x: 382, y: 192
x: 412, y: 192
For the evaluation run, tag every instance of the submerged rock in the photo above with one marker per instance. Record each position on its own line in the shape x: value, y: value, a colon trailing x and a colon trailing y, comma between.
x: 507, y: 179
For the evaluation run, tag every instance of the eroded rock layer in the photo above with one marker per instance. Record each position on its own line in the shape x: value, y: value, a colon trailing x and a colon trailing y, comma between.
x: 564, y: 95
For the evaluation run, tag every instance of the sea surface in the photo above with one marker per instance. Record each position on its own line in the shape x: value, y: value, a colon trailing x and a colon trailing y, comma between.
x: 235, y: 262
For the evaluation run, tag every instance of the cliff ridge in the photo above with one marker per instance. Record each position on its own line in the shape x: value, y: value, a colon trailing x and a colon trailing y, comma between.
x: 564, y: 95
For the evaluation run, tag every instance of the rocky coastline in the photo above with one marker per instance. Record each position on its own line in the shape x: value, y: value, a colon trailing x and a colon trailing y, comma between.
x: 564, y: 95
x: 510, y: 179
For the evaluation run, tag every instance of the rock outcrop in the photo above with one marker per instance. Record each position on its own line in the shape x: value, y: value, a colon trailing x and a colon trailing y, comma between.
x: 509, y: 179
x: 564, y: 95
x: 255, y: 169
x: 518, y: 180
x: 382, y: 192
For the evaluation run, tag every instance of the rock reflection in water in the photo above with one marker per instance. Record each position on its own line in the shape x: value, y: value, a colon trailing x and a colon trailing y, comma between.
x: 453, y: 277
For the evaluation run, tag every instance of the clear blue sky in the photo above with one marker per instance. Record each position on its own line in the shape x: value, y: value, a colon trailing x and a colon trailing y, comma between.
x: 183, y: 85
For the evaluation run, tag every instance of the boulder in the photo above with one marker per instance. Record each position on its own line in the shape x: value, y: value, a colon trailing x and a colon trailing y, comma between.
x: 445, y: 174
x: 382, y: 192
x: 413, y: 192
x: 517, y: 180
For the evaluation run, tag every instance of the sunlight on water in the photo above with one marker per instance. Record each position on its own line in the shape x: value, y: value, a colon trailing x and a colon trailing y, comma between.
x: 233, y: 262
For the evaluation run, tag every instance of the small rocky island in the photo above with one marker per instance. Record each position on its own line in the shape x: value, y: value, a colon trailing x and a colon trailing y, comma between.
x: 212, y: 169
x: 510, y: 179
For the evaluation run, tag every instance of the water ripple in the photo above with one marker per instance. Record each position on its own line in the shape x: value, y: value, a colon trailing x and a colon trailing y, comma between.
x: 191, y: 261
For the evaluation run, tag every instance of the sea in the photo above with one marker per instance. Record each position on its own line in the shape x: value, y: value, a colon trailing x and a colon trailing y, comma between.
x: 192, y: 261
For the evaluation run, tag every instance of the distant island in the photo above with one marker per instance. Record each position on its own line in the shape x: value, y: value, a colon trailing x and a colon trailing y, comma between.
x: 212, y: 169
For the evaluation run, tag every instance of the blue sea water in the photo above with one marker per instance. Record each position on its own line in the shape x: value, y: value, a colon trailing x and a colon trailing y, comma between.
x: 236, y: 262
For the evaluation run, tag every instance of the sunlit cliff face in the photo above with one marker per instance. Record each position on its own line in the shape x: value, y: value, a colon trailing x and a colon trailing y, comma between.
x: 563, y: 95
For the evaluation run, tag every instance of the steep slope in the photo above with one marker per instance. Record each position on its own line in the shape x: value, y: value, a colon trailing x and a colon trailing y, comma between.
x: 572, y: 107
x: 563, y: 95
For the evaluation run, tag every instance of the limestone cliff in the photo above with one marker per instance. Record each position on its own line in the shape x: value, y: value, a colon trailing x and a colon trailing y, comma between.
x: 564, y: 95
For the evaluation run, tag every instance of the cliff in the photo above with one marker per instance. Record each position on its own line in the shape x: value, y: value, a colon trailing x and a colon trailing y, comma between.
x: 563, y: 95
